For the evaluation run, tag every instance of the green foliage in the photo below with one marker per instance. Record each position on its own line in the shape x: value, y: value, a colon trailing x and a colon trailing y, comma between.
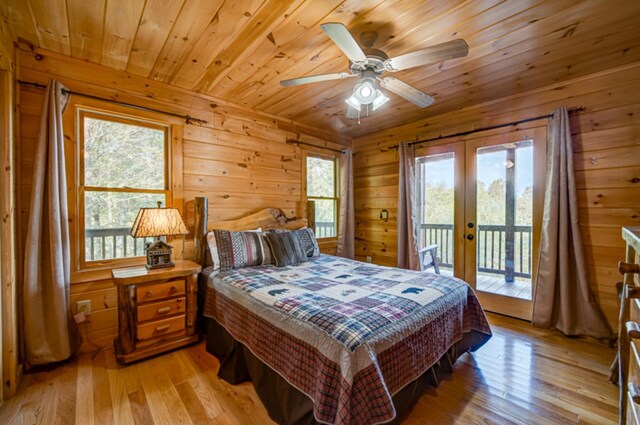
x: 439, y: 202
x: 321, y: 183
x: 123, y: 155
x: 119, y: 155
x: 320, y: 177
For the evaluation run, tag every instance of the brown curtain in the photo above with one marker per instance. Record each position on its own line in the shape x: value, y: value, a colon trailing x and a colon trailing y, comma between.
x: 563, y: 298
x: 346, y: 224
x: 407, y: 233
x: 50, y: 333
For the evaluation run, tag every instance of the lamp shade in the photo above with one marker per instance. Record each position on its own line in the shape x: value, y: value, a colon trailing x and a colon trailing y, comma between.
x: 158, y: 222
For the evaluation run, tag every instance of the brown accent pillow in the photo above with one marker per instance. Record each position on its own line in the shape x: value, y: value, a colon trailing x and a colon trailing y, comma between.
x: 286, y: 249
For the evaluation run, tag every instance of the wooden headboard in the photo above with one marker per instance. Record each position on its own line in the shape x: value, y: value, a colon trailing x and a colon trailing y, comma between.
x: 267, y: 219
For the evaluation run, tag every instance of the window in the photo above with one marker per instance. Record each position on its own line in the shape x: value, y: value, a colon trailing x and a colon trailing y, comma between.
x: 321, y: 189
x: 123, y: 167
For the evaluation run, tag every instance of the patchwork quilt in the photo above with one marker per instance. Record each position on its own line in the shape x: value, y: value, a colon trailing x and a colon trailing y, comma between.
x: 347, y: 334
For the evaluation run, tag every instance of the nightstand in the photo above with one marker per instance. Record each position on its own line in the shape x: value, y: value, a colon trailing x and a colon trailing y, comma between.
x: 156, y: 309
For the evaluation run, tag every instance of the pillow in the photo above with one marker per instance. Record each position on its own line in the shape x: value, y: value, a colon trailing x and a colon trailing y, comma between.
x: 308, y: 241
x: 213, y: 248
x: 286, y: 249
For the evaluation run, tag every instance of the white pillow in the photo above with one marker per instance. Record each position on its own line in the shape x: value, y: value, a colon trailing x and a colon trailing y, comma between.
x: 213, y: 247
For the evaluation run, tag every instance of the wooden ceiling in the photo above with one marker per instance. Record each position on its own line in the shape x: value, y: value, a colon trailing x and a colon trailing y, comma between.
x: 239, y: 50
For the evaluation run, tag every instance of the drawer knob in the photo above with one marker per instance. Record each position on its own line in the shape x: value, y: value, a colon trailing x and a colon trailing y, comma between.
x: 162, y: 328
x: 163, y: 310
x: 634, y: 392
x: 628, y: 267
x: 172, y: 289
x: 148, y: 294
x: 633, y: 329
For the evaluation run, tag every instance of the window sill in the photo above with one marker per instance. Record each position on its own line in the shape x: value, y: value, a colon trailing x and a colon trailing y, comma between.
x: 97, y: 271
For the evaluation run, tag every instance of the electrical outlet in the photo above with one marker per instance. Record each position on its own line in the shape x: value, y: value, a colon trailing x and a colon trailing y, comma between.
x: 84, y: 307
x: 368, y: 258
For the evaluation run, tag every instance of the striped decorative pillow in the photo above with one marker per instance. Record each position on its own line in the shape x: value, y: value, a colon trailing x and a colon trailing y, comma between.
x: 213, y: 259
x: 286, y: 248
x: 241, y: 249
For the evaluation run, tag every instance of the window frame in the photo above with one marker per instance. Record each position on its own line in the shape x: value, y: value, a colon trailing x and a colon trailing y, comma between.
x: 336, y: 188
x: 83, y: 112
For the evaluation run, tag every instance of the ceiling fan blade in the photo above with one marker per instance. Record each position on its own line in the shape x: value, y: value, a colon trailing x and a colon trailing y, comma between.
x: 345, y: 41
x: 410, y: 93
x: 432, y: 54
x: 315, y: 79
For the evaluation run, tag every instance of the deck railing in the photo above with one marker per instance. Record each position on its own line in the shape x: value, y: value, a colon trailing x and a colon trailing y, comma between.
x: 325, y: 229
x: 103, y: 244
x: 492, y: 253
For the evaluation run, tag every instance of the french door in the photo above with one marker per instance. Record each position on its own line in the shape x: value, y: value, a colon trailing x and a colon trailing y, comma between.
x: 481, y: 205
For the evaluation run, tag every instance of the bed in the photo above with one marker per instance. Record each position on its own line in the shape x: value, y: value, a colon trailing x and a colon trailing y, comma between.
x: 332, y: 340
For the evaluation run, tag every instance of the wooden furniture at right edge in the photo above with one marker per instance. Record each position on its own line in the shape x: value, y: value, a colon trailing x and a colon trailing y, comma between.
x: 629, y: 330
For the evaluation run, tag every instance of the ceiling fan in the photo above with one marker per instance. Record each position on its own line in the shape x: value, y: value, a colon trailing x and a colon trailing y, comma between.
x: 369, y: 64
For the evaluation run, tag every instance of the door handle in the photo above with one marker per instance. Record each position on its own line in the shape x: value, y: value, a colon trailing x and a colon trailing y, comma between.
x: 470, y: 225
x: 470, y: 237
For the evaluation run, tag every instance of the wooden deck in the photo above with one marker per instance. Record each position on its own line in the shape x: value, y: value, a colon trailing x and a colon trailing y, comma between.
x: 494, y: 283
x: 523, y: 375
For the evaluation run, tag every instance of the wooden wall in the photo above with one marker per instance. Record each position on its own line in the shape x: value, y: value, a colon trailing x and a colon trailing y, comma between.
x: 607, y: 166
x: 241, y: 160
x: 8, y: 292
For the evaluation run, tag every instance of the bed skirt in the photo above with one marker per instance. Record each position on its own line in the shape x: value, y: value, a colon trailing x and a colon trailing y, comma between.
x: 287, y: 405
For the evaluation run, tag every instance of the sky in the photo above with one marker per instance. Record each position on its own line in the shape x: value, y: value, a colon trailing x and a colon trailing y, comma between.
x: 491, y: 167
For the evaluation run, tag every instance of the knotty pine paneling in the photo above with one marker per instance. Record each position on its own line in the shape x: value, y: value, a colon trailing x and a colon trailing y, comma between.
x: 9, y: 322
x: 239, y: 50
x: 607, y: 164
x: 241, y: 161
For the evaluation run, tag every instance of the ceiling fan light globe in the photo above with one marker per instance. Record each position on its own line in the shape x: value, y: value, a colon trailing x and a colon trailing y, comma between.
x: 354, y: 103
x: 380, y: 100
x: 365, y: 92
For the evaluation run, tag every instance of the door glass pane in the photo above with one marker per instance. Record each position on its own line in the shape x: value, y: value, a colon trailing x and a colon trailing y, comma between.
x: 436, y: 192
x: 504, y: 210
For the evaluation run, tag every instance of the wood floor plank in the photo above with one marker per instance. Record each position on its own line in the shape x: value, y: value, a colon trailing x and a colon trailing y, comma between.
x: 140, y: 407
x: 66, y: 395
x: 102, y: 404
x: 121, y: 407
x: 523, y: 375
x: 162, y: 397
x: 84, y: 391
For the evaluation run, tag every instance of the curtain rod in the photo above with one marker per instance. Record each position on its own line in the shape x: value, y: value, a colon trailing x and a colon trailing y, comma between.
x: 298, y: 142
x: 493, y: 127
x: 188, y: 119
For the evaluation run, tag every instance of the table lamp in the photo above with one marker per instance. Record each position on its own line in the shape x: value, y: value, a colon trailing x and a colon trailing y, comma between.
x: 156, y: 222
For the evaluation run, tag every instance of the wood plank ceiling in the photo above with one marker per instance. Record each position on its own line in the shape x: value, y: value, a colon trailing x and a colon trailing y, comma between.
x: 239, y: 50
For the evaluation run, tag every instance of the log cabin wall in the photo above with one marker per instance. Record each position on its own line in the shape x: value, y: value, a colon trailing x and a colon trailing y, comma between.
x: 240, y: 160
x: 606, y: 138
x: 9, y: 320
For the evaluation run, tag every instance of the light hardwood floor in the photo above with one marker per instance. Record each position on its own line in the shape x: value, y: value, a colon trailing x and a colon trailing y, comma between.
x: 522, y: 375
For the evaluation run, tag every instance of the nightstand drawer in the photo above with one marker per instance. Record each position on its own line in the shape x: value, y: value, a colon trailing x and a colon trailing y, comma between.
x: 161, y: 309
x: 160, y: 327
x: 158, y: 291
